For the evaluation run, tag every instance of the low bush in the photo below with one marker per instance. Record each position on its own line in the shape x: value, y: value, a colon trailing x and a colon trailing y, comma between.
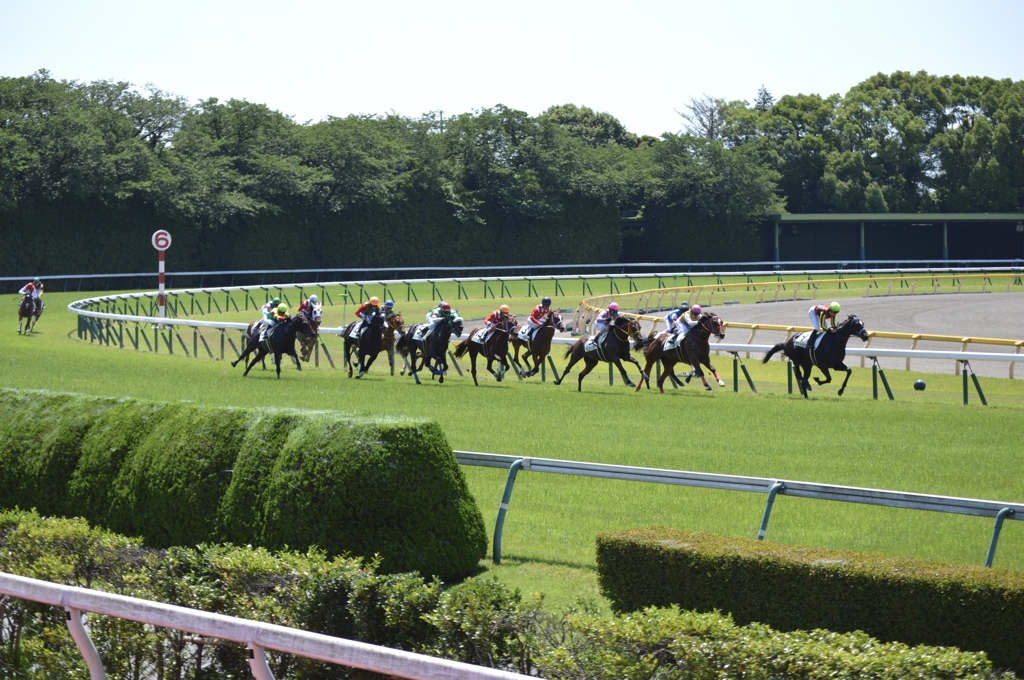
x: 795, y: 588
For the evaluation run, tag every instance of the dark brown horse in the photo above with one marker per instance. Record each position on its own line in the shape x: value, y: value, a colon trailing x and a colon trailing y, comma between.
x: 611, y: 346
x: 396, y: 325
x: 430, y: 350
x: 829, y: 354
x: 367, y: 346
x: 28, y: 309
x: 494, y: 347
x: 692, y: 349
x: 307, y: 342
x: 539, y: 344
x: 280, y: 341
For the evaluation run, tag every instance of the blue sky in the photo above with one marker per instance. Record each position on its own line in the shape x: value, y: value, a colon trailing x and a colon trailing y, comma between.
x: 641, y: 60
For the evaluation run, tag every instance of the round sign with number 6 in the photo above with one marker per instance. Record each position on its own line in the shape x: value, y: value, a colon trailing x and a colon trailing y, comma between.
x: 161, y: 240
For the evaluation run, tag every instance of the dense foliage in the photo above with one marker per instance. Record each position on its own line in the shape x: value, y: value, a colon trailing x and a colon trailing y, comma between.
x: 182, y: 474
x: 478, y: 621
x: 90, y: 170
x: 798, y: 588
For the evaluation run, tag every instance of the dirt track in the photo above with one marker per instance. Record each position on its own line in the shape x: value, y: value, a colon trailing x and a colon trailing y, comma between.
x: 987, y: 315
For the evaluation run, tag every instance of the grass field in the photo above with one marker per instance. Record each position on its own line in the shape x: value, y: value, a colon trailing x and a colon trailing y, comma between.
x: 925, y: 442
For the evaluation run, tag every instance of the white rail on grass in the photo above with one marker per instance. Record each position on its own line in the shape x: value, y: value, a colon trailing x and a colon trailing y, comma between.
x: 257, y: 636
x: 998, y: 510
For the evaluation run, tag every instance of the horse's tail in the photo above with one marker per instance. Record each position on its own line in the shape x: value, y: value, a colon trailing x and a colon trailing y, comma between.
x: 777, y: 348
x: 571, y: 348
x: 461, y: 348
x: 404, y: 343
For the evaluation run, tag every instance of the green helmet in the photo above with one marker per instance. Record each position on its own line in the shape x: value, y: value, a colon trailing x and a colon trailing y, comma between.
x: 834, y: 307
x: 36, y: 281
x: 282, y: 309
x: 275, y: 302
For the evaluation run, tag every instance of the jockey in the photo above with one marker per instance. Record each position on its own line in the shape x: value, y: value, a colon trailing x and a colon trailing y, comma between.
x: 34, y: 289
x: 308, y: 304
x: 276, y: 316
x: 442, y: 313
x: 389, y: 309
x: 366, y: 312
x: 689, y: 319
x: 540, y: 315
x: 500, y: 315
x: 606, y: 318
x: 268, y: 312
x: 672, y: 324
x: 823, y: 317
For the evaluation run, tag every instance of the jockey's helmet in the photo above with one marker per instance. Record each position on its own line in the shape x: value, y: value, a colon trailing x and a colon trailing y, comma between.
x: 275, y: 302
x: 834, y: 307
x: 375, y: 301
x: 389, y: 303
x: 282, y: 309
x: 504, y: 309
x: 613, y: 307
x: 546, y: 302
x: 445, y: 307
x: 695, y: 310
x: 313, y: 299
x: 36, y: 281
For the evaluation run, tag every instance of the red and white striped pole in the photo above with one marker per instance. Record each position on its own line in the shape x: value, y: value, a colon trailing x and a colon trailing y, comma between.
x: 161, y: 241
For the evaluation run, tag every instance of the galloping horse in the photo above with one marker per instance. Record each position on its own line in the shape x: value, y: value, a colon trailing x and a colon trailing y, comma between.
x: 27, y: 310
x: 281, y: 341
x: 539, y: 345
x: 307, y: 342
x: 692, y: 349
x: 369, y: 344
x: 828, y: 355
x: 396, y: 324
x: 613, y: 348
x: 431, y: 350
x: 494, y: 346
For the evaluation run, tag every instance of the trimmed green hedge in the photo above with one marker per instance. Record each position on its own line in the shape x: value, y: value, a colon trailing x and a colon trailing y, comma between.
x: 184, y: 474
x: 478, y: 621
x: 796, y: 588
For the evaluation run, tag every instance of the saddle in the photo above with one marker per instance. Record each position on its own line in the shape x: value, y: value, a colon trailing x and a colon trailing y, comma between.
x: 480, y: 337
x: 422, y: 332
x: 673, y: 342
x: 803, y: 339
x: 526, y: 334
x: 596, y: 344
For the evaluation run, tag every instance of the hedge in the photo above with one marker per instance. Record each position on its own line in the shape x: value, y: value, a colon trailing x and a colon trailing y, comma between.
x: 796, y: 588
x: 184, y: 474
x: 479, y: 621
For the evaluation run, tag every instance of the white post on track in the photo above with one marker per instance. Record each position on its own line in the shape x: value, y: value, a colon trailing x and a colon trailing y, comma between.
x: 161, y: 241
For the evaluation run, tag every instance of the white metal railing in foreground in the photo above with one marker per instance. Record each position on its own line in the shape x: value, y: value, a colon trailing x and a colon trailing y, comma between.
x: 257, y: 636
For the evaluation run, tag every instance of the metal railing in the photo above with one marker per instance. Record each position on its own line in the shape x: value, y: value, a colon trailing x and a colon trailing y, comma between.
x: 257, y: 636
x: 773, y: 487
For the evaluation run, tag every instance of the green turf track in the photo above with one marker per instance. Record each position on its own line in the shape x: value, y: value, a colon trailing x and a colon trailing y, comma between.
x: 925, y: 442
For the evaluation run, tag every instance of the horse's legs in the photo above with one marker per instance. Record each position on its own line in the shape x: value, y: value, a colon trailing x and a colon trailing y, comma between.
x: 622, y: 370
x: 573, y: 360
x: 295, y: 358
x: 590, y: 363
x: 849, y: 372
x: 803, y: 380
x: 259, y: 355
x: 714, y: 371
x: 824, y: 372
x: 472, y: 365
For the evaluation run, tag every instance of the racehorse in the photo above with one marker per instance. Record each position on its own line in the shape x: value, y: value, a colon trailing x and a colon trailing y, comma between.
x: 494, y: 346
x: 539, y: 345
x: 432, y: 349
x: 396, y: 324
x: 828, y: 355
x: 281, y: 341
x: 692, y: 349
x: 307, y: 342
x: 27, y: 310
x: 368, y: 345
x: 613, y: 349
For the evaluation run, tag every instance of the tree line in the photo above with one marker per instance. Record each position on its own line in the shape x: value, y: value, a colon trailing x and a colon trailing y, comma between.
x: 89, y: 170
